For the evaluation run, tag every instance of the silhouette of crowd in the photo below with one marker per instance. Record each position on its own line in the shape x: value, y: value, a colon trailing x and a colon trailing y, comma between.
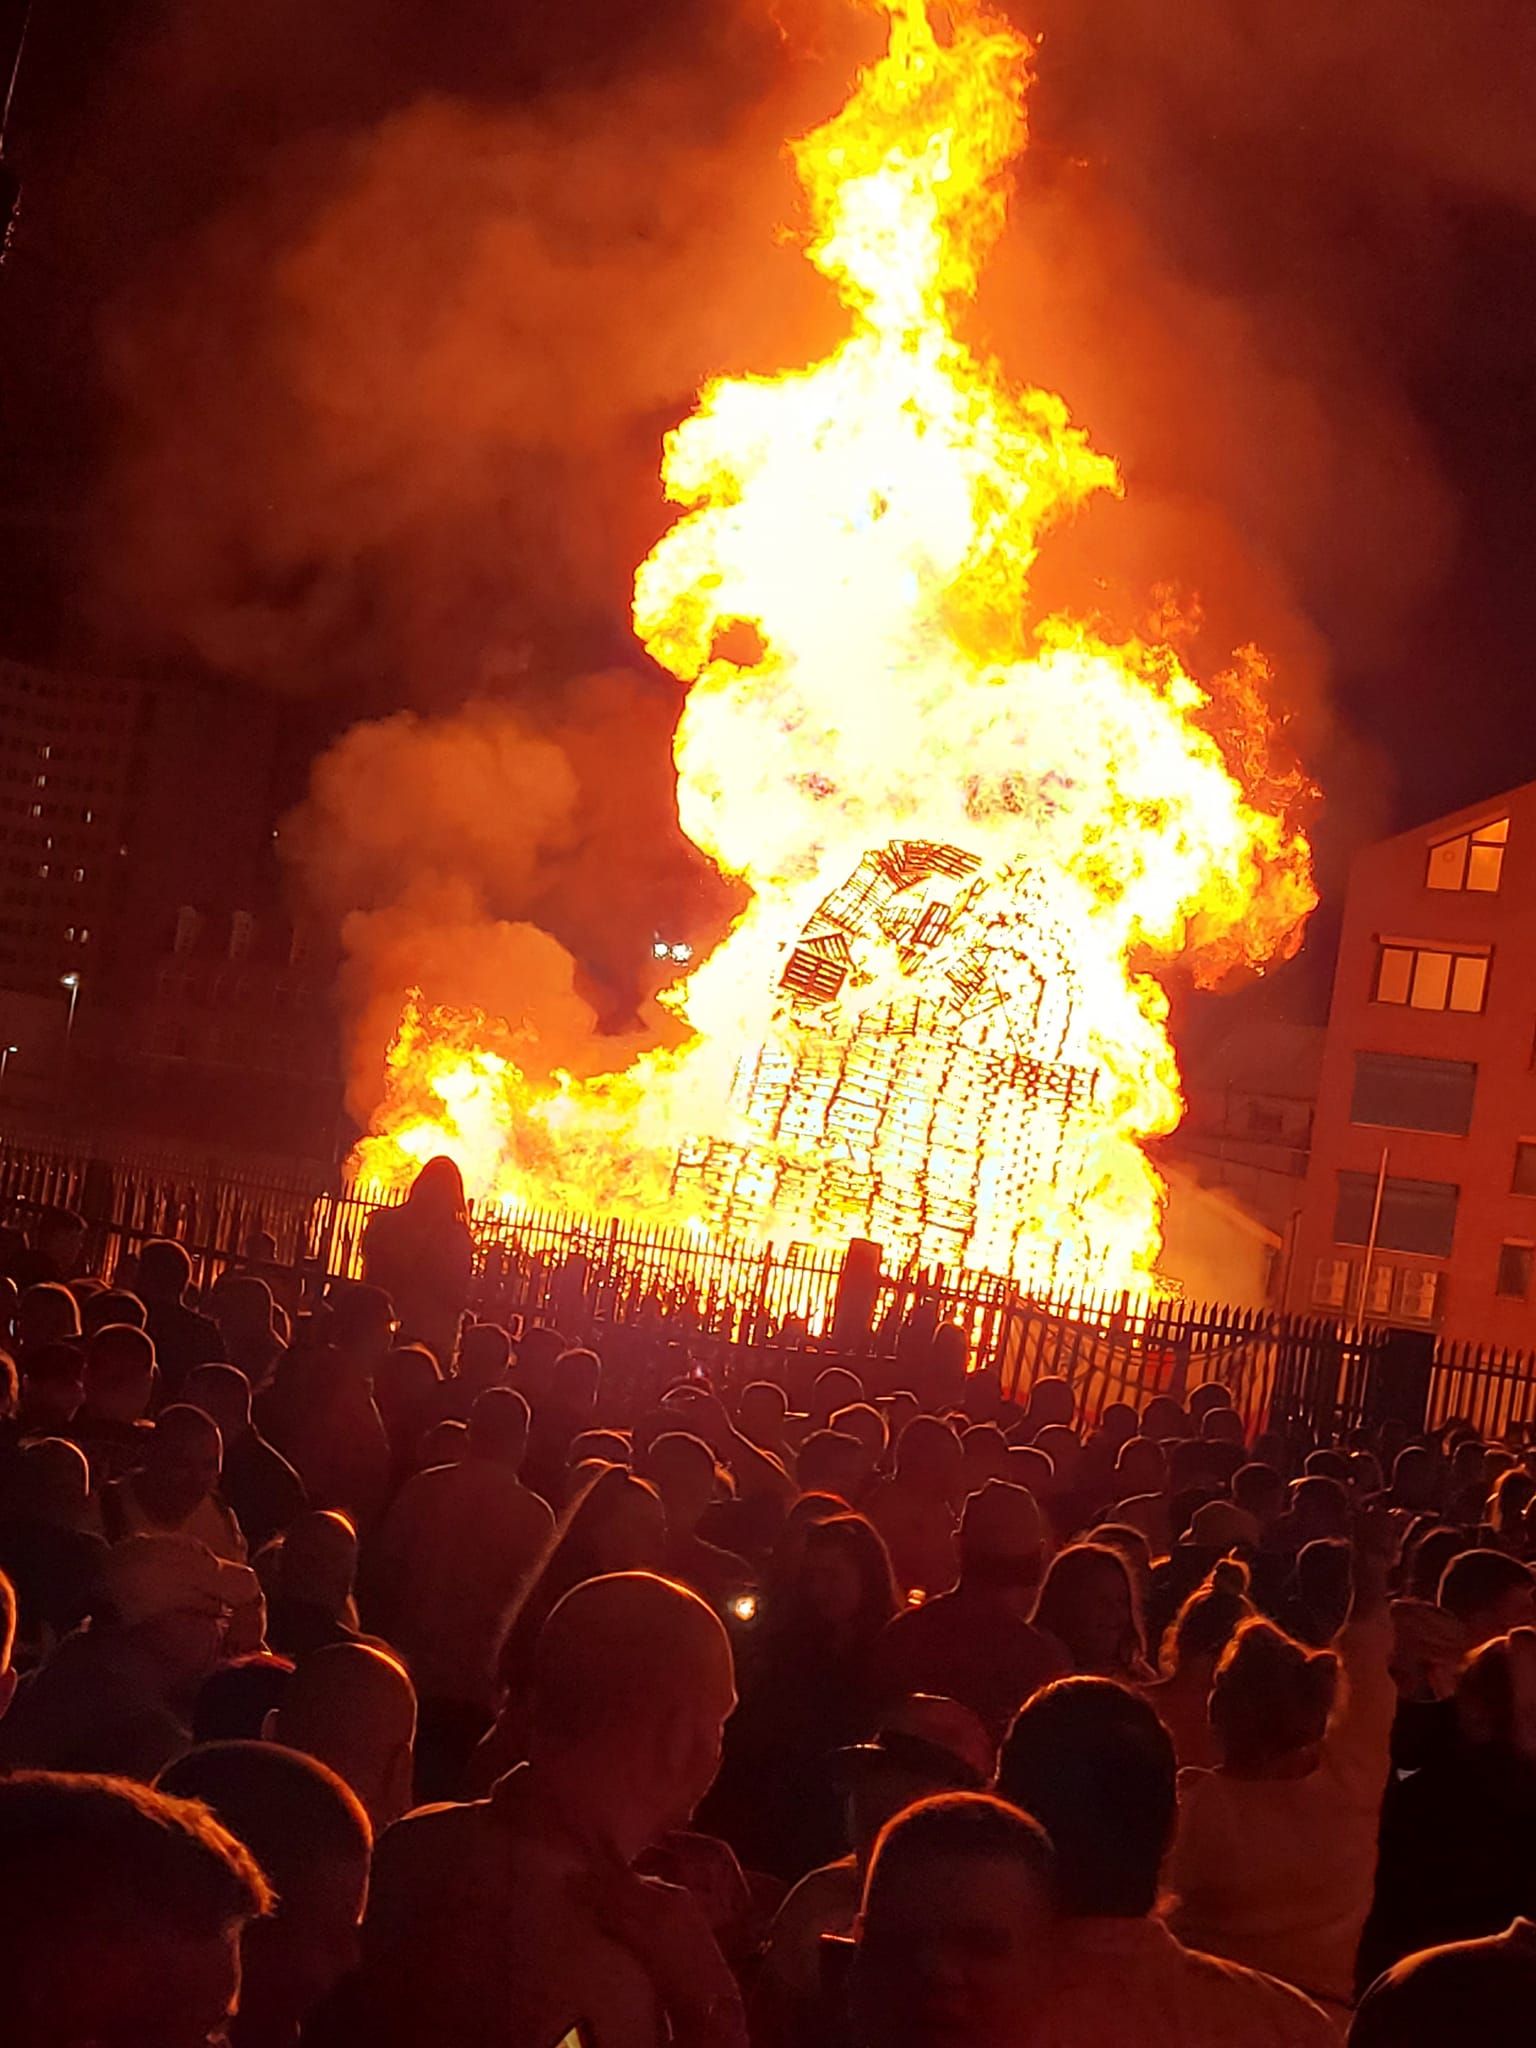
x: 378, y: 1671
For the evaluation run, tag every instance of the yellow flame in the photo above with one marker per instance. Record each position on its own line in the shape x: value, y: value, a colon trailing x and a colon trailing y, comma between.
x: 846, y: 597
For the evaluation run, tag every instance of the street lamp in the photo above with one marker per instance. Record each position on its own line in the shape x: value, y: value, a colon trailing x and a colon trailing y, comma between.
x: 5, y: 1058
x: 72, y: 983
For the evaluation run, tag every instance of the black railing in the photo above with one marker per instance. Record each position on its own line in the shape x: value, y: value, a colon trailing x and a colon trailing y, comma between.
x: 743, y: 1307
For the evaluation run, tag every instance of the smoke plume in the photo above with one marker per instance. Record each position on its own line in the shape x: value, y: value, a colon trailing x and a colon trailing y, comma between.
x: 388, y: 409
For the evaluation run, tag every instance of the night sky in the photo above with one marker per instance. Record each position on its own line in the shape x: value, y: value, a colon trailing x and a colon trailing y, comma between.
x: 1332, y: 224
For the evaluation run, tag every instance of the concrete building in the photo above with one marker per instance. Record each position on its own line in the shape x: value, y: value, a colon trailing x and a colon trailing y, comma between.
x: 150, y: 977
x: 69, y: 746
x: 1428, y: 1086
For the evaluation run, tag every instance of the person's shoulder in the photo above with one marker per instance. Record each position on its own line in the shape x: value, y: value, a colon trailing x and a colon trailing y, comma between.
x: 1294, y: 2016
x: 426, y: 1833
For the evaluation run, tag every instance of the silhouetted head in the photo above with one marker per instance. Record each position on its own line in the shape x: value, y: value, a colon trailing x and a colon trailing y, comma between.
x: 1095, y: 1766
x: 1205, y: 1624
x: 833, y: 1389
x: 317, y: 1562
x: 354, y: 1707
x: 1088, y: 1602
x: 1489, y: 1593
x: 312, y: 1839
x: 224, y: 1393
x: 485, y: 1351
x: 119, y: 1373
x: 831, y: 1461
x: 632, y: 1684
x: 498, y: 1427
x: 46, y: 1314
x: 121, y: 1914
x: 844, y: 1583
x: 682, y: 1470
x: 362, y: 1323
x: 437, y: 1192
x: 1271, y: 1698
x: 1003, y: 1544
x: 182, y: 1463
x: 954, y: 1933
x: 111, y: 1305
x: 165, y: 1270
x: 929, y: 1459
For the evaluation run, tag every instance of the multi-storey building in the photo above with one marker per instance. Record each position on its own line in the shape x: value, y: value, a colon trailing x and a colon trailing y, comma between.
x: 139, y: 886
x: 1420, y: 1204
x: 68, y: 751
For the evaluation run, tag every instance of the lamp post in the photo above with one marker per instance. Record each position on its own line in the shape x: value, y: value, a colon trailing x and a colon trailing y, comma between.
x: 72, y: 983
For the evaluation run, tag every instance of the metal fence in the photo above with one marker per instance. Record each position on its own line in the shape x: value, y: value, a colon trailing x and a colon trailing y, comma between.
x: 788, y: 1310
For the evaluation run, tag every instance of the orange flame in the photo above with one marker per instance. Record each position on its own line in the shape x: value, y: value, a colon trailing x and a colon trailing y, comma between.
x: 846, y: 597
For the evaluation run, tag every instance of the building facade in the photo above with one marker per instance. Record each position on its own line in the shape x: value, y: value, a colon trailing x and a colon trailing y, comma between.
x: 69, y: 747
x: 151, y: 977
x: 1420, y: 1203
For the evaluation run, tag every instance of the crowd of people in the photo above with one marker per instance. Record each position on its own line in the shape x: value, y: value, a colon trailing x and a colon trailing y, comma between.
x: 376, y: 1674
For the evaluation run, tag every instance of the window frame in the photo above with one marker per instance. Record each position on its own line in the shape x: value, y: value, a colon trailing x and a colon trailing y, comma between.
x: 1490, y: 838
x: 1419, y: 976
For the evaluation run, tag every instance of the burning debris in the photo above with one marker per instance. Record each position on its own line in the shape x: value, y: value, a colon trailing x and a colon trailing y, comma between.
x: 975, y: 839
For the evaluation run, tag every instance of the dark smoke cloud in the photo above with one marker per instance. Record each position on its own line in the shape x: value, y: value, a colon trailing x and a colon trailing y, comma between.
x: 388, y: 379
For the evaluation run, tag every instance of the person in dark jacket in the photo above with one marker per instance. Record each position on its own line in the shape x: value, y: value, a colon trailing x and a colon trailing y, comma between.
x: 1458, y: 1837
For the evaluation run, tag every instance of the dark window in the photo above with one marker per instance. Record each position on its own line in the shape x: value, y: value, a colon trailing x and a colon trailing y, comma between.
x: 1416, y: 1215
x: 1514, y: 1271
x: 1412, y: 1094
x: 1523, y: 1180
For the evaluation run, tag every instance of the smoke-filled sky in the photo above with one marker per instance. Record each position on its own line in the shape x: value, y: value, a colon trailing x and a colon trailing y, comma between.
x: 338, y: 342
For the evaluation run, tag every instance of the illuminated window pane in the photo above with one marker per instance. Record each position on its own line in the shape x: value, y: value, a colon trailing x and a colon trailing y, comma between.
x: 1495, y: 834
x: 1483, y: 868
x: 1394, y: 975
x: 1431, y: 979
x: 1469, y: 979
x: 1447, y: 864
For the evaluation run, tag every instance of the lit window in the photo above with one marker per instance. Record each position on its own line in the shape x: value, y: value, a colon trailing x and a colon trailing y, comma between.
x: 85, y: 936
x: 1514, y: 1275
x: 1432, y: 978
x: 1474, y: 861
x: 79, y: 874
x: 42, y: 873
x: 69, y: 933
x: 37, y: 810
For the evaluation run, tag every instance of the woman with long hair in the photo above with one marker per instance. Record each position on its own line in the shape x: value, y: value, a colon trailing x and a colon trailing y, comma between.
x: 1191, y: 1649
x: 1088, y: 1603
x: 421, y: 1253
x: 804, y: 1673
x: 1275, y: 1857
x: 613, y: 1522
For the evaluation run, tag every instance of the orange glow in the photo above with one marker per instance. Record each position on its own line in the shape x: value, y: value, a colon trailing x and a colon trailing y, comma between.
x: 845, y: 595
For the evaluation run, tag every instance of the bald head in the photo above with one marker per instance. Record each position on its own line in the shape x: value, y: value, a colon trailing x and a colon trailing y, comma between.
x: 619, y: 1647
x: 633, y: 1682
x: 354, y: 1708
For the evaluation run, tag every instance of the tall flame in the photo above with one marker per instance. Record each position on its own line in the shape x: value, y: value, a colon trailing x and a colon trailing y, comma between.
x: 846, y: 597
